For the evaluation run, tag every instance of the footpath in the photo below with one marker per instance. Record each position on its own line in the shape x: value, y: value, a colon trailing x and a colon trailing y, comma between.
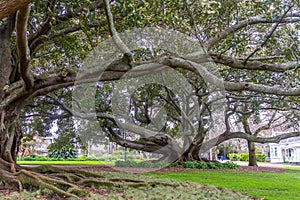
x: 267, y: 164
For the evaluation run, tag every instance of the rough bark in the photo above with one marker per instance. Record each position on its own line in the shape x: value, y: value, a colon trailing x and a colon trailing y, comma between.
x: 252, y: 156
x: 13, y: 97
x: 5, y: 51
x: 8, y: 7
x: 64, y: 182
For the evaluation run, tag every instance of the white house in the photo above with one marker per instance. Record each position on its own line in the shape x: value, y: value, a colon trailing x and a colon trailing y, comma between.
x: 42, y: 143
x: 287, y: 150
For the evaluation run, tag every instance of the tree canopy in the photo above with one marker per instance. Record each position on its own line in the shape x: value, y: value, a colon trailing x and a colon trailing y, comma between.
x: 171, y: 73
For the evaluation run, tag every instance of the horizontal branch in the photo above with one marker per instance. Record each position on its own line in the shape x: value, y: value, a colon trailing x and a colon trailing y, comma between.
x: 40, y: 41
x: 231, y: 135
x: 229, y: 86
x: 73, y: 29
x: 248, y: 22
x: 47, y: 115
x: 76, y: 12
x: 254, y: 65
x: 116, y: 70
x: 137, y: 145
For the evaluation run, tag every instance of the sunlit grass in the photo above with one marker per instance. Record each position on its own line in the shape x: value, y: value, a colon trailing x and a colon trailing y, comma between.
x: 280, y: 186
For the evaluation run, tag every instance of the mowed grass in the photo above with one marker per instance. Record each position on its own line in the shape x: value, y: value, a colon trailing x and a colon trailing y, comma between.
x: 280, y: 186
x: 138, y: 187
x: 65, y: 162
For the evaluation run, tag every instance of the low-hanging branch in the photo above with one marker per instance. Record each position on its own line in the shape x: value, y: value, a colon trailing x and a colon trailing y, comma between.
x: 242, y: 135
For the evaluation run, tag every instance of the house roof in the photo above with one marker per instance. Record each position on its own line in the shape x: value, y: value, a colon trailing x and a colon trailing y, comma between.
x: 293, y: 139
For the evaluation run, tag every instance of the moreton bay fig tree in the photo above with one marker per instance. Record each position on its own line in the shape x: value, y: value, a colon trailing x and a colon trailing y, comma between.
x: 221, y: 51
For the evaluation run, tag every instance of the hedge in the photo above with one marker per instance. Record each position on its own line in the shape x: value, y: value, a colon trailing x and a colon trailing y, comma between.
x: 245, y: 157
x: 210, y: 165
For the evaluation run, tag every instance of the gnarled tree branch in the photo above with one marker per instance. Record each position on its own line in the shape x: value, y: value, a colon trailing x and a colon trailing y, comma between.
x: 22, y: 45
x: 238, y: 63
x: 228, y: 85
x: 248, y: 22
x: 230, y: 135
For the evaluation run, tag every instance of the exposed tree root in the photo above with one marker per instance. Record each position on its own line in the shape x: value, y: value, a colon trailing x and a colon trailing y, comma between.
x: 67, y: 183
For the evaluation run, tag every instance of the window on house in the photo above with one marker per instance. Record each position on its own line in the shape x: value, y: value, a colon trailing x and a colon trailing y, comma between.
x: 290, y: 152
x: 275, y: 151
x: 272, y: 152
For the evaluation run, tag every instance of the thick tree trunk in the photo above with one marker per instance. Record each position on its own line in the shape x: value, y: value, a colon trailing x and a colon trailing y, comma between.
x: 63, y: 182
x: 252, y: 156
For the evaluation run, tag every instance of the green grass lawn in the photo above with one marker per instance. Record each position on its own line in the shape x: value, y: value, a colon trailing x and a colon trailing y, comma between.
x: 65, y: 162
x: 281, y: 186
x: 138, y: 187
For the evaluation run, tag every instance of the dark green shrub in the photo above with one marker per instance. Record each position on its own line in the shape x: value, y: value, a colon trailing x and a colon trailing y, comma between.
x: 64, y: 153
x: 33, y: 156
x: 191, y: 164
x: 230, y: 165
x: 213, y: 165
x: 210, y: 165
x: 174, y: 165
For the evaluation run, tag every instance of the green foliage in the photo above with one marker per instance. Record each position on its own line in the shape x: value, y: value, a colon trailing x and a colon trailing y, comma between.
x: 64, y: 153
x: 144, y: 164
x: 210, y: 165
x: 233, y: 155
x: 34, y: 157
x: 82, y: 157
x: 245, y: 157
x: 261, y: 157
